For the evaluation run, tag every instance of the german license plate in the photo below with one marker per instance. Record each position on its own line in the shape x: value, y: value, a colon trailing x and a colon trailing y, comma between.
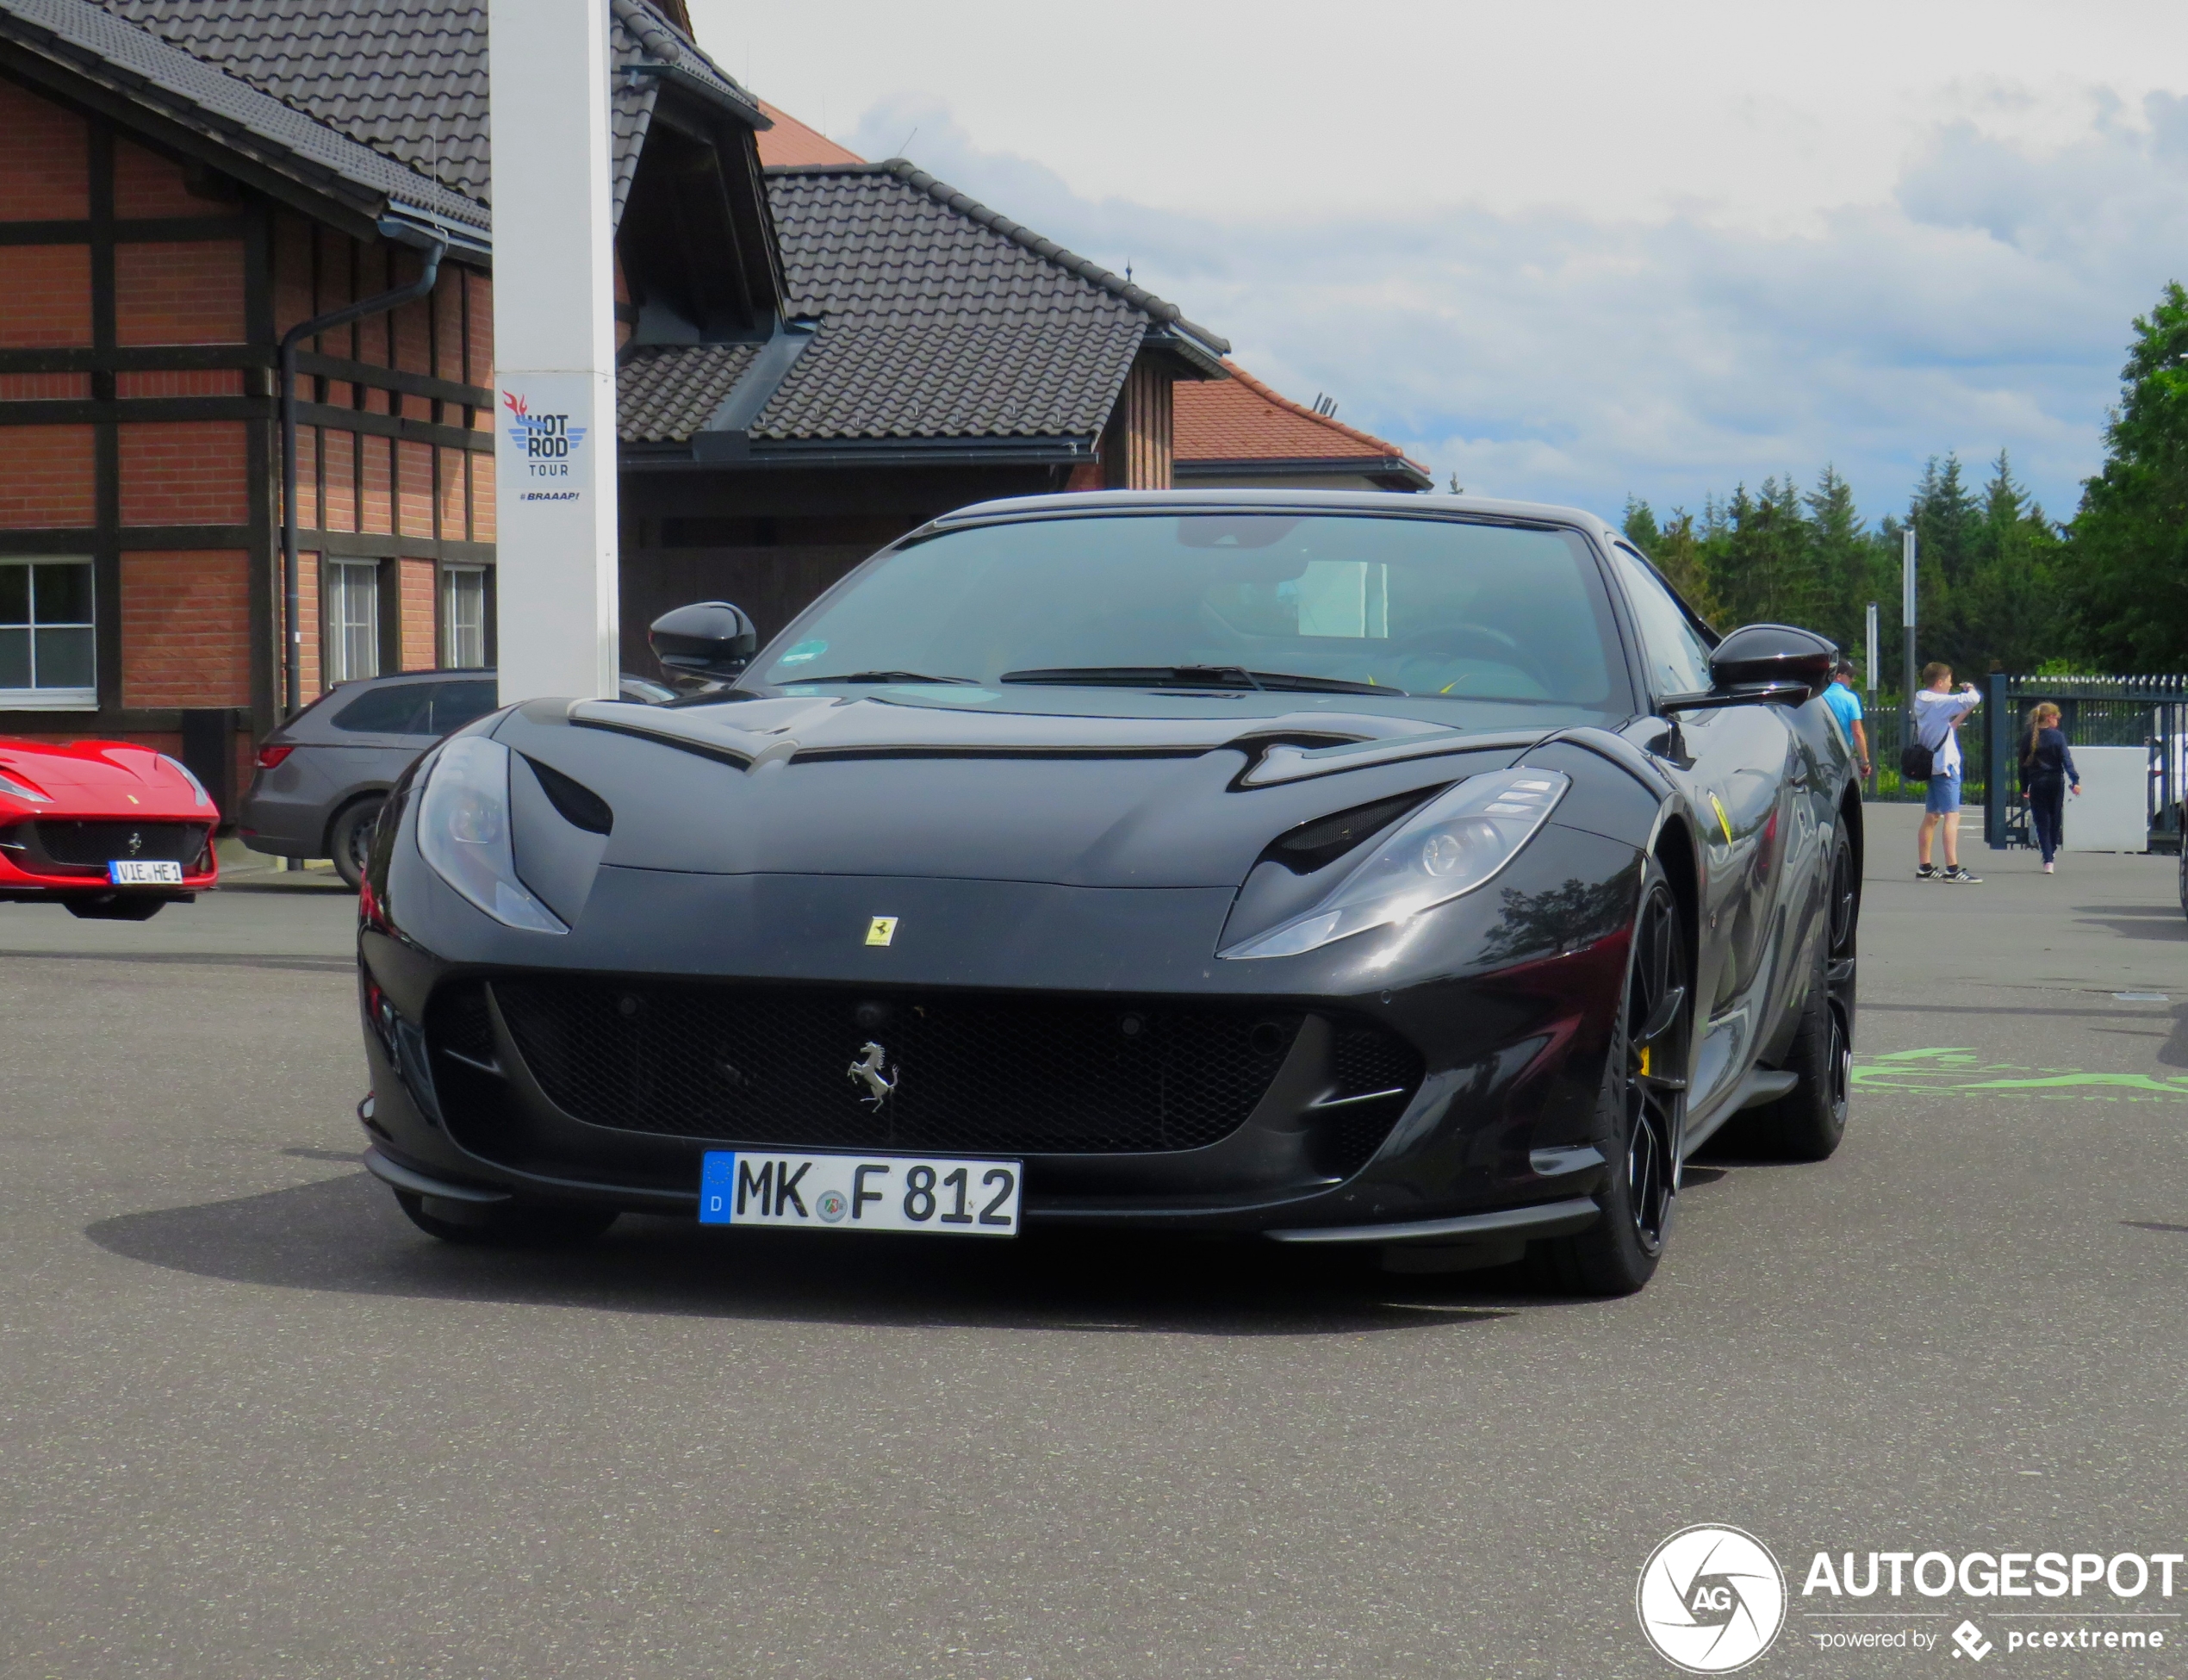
x: 142, y: 872
x: 946, y: 1197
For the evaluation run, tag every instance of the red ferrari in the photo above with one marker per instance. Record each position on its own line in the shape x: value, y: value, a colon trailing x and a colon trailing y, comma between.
x: 116, y: 832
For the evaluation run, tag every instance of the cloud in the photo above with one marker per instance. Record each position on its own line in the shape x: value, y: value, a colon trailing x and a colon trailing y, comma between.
x: 1554, y: 355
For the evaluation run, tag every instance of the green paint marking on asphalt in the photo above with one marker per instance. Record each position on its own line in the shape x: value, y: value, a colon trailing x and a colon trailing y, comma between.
x: 1957, y: 1070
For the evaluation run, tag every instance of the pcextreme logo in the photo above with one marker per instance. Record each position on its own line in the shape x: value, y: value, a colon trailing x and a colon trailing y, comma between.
x: 1711, y: 1599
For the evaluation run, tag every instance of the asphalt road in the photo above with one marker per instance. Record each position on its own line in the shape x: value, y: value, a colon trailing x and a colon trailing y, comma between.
x: 252, y: 1424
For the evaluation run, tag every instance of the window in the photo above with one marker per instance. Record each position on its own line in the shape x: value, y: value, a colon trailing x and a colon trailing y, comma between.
x: 455, y: 704
x: 427, y: 708
x: 46, y: 651
x: 352, y: 620
x: 1678, y: 657
x: 463, y: 609
x: 396, y: 708
x: 1478, y: 614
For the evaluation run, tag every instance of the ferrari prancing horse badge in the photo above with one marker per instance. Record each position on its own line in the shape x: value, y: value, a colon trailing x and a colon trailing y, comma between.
x: 881, y: 930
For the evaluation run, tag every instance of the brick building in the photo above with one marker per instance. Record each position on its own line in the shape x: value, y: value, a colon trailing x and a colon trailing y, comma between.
x: 181, y: 182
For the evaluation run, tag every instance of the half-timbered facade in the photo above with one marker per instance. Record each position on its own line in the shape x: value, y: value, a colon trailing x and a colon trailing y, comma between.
x: 182, y: 183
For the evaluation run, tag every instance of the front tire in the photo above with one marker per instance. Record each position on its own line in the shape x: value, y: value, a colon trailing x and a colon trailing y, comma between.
x: 349, y: 839
x: 1645, y: 1090
x: 504, y: 1224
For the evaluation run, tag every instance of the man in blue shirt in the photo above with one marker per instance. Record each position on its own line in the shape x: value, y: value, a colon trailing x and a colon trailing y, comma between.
x: 1846, y: 707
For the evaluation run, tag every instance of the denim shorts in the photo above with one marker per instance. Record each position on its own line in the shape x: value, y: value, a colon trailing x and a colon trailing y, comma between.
x: 1943, y: 796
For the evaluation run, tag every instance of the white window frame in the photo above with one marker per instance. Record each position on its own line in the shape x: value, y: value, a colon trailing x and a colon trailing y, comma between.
x: 452, y: 652
x: 36, y: 699
x: 336, y: 586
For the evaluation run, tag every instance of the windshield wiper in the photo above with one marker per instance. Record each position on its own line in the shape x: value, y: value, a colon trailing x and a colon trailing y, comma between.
x: 1195, y: 676
x: 889, y: 676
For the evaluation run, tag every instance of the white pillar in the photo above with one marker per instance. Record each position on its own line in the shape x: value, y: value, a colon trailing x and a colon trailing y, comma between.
x: 553, y: 349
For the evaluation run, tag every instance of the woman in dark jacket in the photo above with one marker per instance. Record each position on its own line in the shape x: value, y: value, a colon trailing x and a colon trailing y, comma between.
x: 2046, y: 770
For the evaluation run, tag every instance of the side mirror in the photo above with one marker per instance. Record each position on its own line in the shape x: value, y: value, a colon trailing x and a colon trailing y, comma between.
x: 1761, y: 663
x: 1776, y: 654
x: 707, y: 641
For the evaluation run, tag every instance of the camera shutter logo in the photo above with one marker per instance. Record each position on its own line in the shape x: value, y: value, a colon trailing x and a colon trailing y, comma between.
x: 1711, y: 1599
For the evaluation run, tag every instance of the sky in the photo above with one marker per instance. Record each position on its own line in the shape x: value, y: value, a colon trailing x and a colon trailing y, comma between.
x: 1574, y: 251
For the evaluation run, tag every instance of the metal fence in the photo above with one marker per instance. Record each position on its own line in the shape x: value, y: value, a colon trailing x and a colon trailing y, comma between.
x: 2147, y: 712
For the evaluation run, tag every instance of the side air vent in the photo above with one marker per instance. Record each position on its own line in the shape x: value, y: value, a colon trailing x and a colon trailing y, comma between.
x: 579, y: 805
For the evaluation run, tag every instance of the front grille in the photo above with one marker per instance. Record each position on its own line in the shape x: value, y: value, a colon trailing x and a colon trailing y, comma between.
x: 971, y: 1072
x: 460, y: 1025
x: 1365, y: 1062
x: 1367, y: 1059
x: 92, y: 844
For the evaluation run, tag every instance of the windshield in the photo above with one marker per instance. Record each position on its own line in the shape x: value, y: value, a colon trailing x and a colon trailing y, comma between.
x: 1422, y: 607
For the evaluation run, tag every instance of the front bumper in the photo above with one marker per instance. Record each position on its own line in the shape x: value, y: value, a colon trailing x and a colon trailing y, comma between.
x: 29, y: 872
x: 1489, y: 1140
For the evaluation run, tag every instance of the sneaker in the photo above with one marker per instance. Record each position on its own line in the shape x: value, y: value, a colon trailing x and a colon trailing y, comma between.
x: 2047, y: 869
x: 1927, y: 872
x: 1956, y: 873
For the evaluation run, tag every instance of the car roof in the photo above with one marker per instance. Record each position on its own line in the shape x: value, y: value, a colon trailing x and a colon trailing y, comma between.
x: 1290, y: 501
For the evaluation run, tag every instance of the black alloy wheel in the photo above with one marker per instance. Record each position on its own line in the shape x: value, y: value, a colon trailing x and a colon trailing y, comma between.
x: 1654, y: 1098
x: 1645, y: 1094
x: 349, y: 839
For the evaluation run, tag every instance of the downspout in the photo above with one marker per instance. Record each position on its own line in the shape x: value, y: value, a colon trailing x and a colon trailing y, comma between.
x: 292, y: 611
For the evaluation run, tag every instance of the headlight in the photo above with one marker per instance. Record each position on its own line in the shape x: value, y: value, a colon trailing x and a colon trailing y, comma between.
x: 463, y: 832
x: 21, y: 790
x: 183, y: 770
x: 1445, y: 849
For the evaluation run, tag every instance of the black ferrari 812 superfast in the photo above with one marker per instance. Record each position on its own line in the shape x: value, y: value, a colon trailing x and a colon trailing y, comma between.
x: 1342, y: 868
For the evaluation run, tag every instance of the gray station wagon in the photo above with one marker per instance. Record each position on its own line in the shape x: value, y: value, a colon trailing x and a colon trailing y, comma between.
x: 322, y: 775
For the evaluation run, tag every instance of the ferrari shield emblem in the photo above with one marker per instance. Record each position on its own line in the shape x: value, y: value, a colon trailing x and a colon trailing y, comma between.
x: 1715, y: 804
x: 881, y: 930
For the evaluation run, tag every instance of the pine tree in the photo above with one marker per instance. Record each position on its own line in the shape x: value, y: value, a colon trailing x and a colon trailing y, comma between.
x: 1678, y: 556
x: 2130, y: 539
x: 1765, y: 568
x: 1847, y: 563
x: 2008, y: 613
x: 1640, y: 526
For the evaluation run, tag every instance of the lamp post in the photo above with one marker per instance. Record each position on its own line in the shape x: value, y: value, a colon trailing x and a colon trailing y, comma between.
x: 1907, y: 629
x: 553, y: 347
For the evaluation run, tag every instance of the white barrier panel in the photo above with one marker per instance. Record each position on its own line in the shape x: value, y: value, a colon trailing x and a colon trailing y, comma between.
x: 2112, y: 814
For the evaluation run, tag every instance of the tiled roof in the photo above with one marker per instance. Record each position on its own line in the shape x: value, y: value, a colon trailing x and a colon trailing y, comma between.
x: 666, y: 393
x: 790, y: 143
x: 143, y: 66
x: 1241, y: 420
x: 405, y: 79
x: 938, y: 319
